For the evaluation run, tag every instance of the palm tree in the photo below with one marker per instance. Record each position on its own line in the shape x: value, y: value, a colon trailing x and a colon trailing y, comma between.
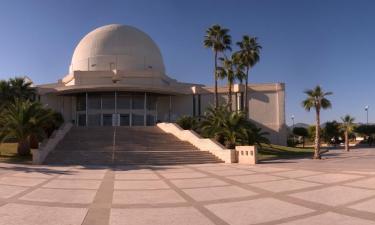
x: 218, y: 39
x: 21, y: 119
x: 21, y: 88
x: 249, y: 53
x: 347, y: 126
x: 5, y: 93
x: 232, y: 70
x: 316, y: 98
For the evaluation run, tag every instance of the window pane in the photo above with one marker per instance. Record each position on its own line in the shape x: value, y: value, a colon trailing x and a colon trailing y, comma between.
x: 150, y: 120
x: 124, y: 120
x: 138, y: 102
x: 138, y: 120
x: 107, y: 119
x: 94, y: 101
x: 81, y: 103
x: 108, y: 101
x: 151, y: 102
x: 94, y: 120
x: 82, y: 120
x: 123, y: 101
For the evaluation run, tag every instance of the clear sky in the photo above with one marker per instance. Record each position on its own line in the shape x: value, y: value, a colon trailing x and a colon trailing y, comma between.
x: 305, y: 43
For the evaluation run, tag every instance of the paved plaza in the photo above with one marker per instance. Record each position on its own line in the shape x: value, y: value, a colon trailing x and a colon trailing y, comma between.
x: 337, y: 190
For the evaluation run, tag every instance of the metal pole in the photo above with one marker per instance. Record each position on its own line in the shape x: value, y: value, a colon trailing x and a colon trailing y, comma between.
x: 87, y: 109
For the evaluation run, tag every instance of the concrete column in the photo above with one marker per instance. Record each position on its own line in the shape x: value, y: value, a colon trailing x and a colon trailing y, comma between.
x: 194, y: 106
x: 170, y: 108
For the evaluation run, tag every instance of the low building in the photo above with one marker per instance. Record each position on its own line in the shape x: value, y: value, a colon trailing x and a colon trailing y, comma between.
x: 117, y: 78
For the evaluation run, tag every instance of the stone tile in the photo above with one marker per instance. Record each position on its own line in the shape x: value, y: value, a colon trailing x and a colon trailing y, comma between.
x: 216, y: 193
x: 360, y: 172
x: 175, y: 170
x: 21, y: 181
x: 284, y: 185
x: 297, y: 173
x: 334, y: 196
x: 34, y: 175
x: 73, y: 184
x: 201, y: 182
x: 18, y: 214
x: 140, y: 184
x: 136, y: 176
x: 330, y: 218
x: 256, y: 211
x: 89, y: 175
x: 214, y: 168
x: 183, y: 175
x: 60, y: 195
x: 245, y: 179
x: 231, y: 172
x: 158, y: 216
x: 367, y: 206
x: 329, y: 178
x: 262, y: 169
x: 146, y: 197
x: 7, y: 191
x: 125, y: 170
x: 367, y: 183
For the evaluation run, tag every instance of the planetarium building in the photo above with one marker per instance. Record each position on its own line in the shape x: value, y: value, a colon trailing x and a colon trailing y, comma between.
x: 117, y: 77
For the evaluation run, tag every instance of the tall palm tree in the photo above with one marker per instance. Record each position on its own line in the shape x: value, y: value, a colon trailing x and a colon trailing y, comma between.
x: 347, y: 126
x: 21, y: 88
x: 249, y: 53
x: 316, y: 98
x: 218, y: 39
x: 231, y: 70
x: 21, y: 119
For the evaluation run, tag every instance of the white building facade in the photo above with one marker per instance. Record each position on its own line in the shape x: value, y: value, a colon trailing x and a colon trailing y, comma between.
x: 117, y: 78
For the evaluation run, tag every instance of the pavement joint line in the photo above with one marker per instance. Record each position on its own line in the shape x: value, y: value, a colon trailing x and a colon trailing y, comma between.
x: 197, y: 205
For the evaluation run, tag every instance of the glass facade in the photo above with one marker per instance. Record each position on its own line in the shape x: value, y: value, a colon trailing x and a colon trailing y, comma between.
x: 116, y: 109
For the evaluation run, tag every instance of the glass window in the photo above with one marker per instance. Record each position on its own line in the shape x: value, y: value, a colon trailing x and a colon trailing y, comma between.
x: 81, y: 103
x: 151, y: 103
x: 94, y: 120
x: 150, y: 120
x: 94, y: 101
x: 81, y: 120
x: 138, y: 120
x: 108, y: 101
x: 123, y: 101
x: 107, y: 119
x: 138, y: 102
x: 124, y: 120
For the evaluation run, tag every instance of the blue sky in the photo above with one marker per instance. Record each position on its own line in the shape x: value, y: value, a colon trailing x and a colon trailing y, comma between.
x: 305, y: 43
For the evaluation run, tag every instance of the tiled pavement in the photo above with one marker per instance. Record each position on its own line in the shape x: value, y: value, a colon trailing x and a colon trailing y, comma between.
x: 337, y: 190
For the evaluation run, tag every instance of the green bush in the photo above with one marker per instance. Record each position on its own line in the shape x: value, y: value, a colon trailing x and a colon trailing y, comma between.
x: 187, y: 122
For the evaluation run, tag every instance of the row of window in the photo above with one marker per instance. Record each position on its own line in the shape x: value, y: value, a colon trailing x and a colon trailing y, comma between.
x: 116, y: 120
x: 124, y: 101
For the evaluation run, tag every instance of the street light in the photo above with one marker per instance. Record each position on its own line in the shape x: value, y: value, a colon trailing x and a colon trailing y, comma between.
x: 366, y: 109
x: 292, y: 120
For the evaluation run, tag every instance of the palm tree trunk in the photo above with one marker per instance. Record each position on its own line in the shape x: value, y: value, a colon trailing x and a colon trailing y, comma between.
x: 230, y: 96
x: 246, y: 100
x: 216, y: 98
x: 23, y: 147
x: 317, y: 136
x: 346, y: 141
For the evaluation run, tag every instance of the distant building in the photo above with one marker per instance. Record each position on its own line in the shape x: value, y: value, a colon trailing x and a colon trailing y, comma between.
x: 117, y: 78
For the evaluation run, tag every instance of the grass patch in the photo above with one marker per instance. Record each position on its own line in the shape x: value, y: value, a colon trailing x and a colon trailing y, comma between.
x: 271, y: 152
x: 8, y: 154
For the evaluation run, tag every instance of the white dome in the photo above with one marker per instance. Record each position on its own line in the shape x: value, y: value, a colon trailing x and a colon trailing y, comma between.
x: 117, y: 47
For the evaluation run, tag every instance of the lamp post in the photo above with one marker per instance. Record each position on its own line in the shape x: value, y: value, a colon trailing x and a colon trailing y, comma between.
x: 292, y: 121
x: 366, y: 109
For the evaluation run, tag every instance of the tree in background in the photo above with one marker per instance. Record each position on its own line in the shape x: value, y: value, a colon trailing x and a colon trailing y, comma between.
x: 331, y: 132
x: 316, y: 98
x: 249, y: 54
x: 347, y: 126
x: 232, y: 70
x: 218, y: 39
x: 366, y: 130
x: 301, y: 132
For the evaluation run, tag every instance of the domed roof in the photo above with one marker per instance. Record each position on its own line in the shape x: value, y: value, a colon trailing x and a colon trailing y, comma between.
x: 118, y: 47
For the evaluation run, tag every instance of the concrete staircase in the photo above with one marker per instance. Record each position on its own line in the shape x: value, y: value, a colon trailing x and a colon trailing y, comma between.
x: 125, y: 146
